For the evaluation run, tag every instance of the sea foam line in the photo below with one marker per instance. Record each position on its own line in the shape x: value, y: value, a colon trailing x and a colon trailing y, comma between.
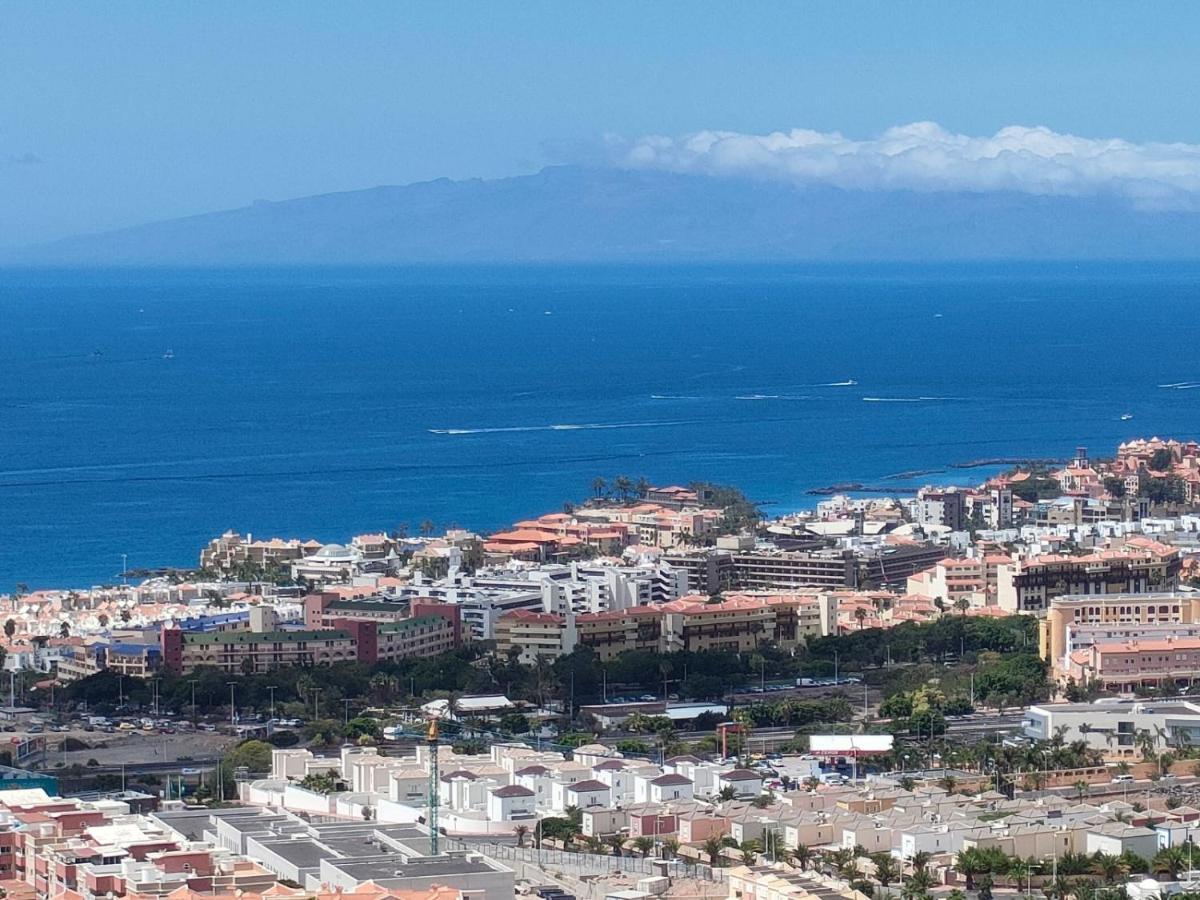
x: 910, y: 399
x: 583, y: 426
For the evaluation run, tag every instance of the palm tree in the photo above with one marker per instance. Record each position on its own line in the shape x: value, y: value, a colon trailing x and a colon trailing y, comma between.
x: 1074, y: 864
x: 969, y: 863
x: 918, y: 885
x: 623, y: 486
x: 671, y: 846
x: 886, y: 870
x: 712, y: 848
x: 1058, y: 889
x: 644, y: 845
x: 948, y: 783
x: 427, y: 527
x: 599, y: 486
x: 1081, y: 789
x: 10, y: 628
x: 920, y: 861
x: 1123, y: 767
x: 845, y: 862
x: 962, y: 604
x: 64, y: 630
x: 1171, y: 860
x: 801, y: 856
x: 1018, y: 870
x: 1109, y: 867
x: 616, y: 843
x: 861, y: 614
x: 521, y: 831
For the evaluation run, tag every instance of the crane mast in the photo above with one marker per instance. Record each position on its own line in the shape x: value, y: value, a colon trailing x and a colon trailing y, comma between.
x: 431, y: 741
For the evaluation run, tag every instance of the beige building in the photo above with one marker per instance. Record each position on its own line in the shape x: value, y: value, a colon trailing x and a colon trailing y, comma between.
x: 1071, y: 618
x: 536, y: 635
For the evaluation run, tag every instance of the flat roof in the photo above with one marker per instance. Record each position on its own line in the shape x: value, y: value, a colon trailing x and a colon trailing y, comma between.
x: 304, y: 853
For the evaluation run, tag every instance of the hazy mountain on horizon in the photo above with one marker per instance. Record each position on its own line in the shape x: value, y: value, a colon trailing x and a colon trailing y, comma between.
x: 570, y: 214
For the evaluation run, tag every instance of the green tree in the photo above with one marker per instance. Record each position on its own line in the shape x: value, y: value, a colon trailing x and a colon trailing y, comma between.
x: 886, y: 869
x: 254, y: 755
x: 1110, y: 868
x: 1171, y: 860
x: 712, y: 849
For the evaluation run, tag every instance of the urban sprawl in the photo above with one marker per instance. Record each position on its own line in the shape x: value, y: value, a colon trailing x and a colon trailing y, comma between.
x: 654, y: 692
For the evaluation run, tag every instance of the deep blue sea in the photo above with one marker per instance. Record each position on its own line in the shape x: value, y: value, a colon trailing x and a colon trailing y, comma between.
x: 327, y: 403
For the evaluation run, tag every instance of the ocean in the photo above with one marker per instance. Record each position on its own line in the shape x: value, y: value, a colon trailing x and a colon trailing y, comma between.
x: 143, y: 412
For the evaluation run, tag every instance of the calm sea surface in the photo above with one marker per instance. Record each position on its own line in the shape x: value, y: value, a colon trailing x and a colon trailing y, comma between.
x: 143, y: 412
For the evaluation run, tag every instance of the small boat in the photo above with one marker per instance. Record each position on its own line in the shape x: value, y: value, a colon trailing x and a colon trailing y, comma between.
x: 170, y: 354
x: 1125, y: 417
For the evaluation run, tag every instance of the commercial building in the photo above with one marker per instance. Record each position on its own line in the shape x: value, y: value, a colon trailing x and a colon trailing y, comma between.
x: 1117, y: 729
x: 1133, y: 566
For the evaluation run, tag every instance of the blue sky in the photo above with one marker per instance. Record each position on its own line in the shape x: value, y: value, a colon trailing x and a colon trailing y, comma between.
x: 113, y: 113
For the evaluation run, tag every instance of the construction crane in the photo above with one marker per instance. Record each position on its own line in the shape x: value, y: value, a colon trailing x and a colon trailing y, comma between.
x: 431, y: 741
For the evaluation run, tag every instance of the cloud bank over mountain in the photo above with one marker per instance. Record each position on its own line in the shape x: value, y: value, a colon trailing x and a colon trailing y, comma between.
x: 925, y: 157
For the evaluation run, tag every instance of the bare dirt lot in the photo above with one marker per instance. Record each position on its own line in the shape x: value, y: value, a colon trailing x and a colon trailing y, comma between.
x: 135, y: 748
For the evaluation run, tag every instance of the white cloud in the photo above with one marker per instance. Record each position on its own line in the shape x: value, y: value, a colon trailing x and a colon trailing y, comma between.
x: 924, y: 156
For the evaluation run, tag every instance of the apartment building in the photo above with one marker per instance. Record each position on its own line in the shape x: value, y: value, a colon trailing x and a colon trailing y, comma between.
x: 1072, y: 616
x: 231, y: 550
x: 973, y: 579
x: 612, y: 633
x: 535, y: 635
x: 944, y: 508
x: 133, y: 660
x: 1136, y: 565
x: 829, y: 569
x: 737, y: 625
x: 1124, y: 666
x: 426, y: 635
x: 248, y: 652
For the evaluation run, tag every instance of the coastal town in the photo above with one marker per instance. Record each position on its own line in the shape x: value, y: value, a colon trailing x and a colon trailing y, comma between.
x: 655, y: 691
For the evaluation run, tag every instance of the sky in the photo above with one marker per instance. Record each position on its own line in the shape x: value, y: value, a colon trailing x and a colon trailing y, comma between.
x: 114, y: 113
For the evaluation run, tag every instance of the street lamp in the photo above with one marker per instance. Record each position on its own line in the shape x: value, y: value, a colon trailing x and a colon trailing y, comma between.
x: 232, y: 705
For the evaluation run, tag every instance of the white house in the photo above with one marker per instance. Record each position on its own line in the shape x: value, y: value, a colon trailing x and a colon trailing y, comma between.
x: 409, y: 785
x: 641, y: 782
x: 618, y: 778
x: 743, y: 782
x: 511, y: 802
x: 1116, y: 838
x: 584, y: 794
x: 670, y: 787
x: 702, y: 775
x: 537, y: 779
